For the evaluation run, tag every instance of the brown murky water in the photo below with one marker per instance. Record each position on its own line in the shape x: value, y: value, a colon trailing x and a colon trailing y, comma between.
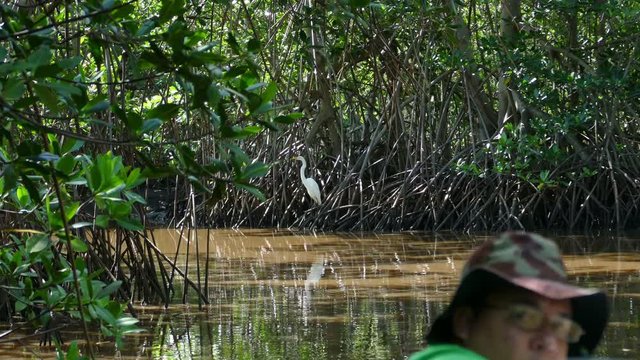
x: 281, y: 295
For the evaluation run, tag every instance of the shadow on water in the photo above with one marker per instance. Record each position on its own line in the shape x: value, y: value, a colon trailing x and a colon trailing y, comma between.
x: 283, y: 295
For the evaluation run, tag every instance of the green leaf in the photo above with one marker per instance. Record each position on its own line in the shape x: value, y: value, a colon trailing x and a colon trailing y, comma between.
x: 253, y: 45
x: 233, y: 43
x: 359, y: 3
x: 127, y: 321
x: 37, y: 243
x: 150, y: 125
x: 135, y: 197
x: 270, y: 92
x: 66, y: 164
x: 42, y: 56
x: 219, y: 191
x: 53, y: 216
x: 130, y: 224
x: 70, y: 63
x: 109, y: 289
x: 288, y: 119
x: 102, y: 221
x: 82, y: 224
x: 78, y: 245
x: 73, y: 352
x: 66, y: 90
x: 250, y: 130
x: 134, y: 178
x: 70, y: 145
x: 146, y: 27
x: 236, y: 71
x: 255, y: 170
x: 13, y: 89
x: 262, y: 108
x: 171, y: 8
x: 96, y: 105
x: 107, y: 4
x: 10, y: 177
x: 213, y: 95
x: 252, y: 190
x: 197, y: 184
x: 31, y: 188
x: 46, y: 156
x: 164, y: 112
x: 21, y: 304
x: 269, y: 125
x: 105, y: 315
x: 133, y: 121
x: 48, y: 97
x: 23, y: 196
x: 70, y: 210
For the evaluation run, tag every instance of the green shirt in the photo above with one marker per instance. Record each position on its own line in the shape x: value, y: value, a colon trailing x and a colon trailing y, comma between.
x: 446, y: 352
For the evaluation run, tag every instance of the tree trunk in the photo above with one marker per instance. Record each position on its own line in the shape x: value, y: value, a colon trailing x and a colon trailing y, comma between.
x: 486, y: 119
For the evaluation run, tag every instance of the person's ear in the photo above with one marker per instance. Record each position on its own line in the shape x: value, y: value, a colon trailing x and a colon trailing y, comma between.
x: 462, y: 321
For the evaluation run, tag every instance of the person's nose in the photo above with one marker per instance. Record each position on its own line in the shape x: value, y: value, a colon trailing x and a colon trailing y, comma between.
x: 545, y: 342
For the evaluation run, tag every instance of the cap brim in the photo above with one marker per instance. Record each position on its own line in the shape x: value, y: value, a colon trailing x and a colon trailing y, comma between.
x: 550, y: 289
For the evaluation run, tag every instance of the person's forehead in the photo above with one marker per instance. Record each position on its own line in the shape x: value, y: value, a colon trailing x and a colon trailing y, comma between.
x: 524, y: 296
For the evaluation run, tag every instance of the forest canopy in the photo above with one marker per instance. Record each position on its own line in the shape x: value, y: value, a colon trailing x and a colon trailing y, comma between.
x: 413, y: 114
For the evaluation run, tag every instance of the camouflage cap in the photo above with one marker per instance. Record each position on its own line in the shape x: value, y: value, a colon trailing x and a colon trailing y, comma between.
x: 532, y: 262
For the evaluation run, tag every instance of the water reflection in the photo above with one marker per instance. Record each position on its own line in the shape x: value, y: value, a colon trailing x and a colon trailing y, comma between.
x: 288, y: 296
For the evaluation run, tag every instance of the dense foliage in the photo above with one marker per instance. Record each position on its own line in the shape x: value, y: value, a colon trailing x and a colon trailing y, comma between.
x: 97, y: 98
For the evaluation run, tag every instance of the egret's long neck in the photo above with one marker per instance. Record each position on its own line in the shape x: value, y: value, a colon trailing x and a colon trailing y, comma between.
x: 303, y: 168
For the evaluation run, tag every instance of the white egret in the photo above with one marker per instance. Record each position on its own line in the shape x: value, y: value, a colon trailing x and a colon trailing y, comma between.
x: 312, y: 186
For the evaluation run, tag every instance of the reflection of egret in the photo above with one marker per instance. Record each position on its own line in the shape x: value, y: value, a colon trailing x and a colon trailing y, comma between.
x: 315, y: 273
x: 313, y: 278
x: 312, y: 186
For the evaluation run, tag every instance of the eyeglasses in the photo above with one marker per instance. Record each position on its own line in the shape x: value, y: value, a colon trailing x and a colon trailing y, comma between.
x: 530, y: 318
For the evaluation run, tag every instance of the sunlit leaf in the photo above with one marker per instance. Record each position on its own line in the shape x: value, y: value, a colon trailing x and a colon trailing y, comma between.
x: 70, y: 210
x: 46, y: 156
x: 23, y: 196
x: 37, y: 243
x: 134, y: 178
x: 270, y: 92
x: 128, y: 321
x: 79, y: 225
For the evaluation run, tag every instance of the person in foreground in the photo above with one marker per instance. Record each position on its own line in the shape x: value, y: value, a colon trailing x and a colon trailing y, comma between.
x: 514, y: 303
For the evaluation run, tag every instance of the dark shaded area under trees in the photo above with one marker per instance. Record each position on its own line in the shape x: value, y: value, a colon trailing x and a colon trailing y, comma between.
x: 474, y: 116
